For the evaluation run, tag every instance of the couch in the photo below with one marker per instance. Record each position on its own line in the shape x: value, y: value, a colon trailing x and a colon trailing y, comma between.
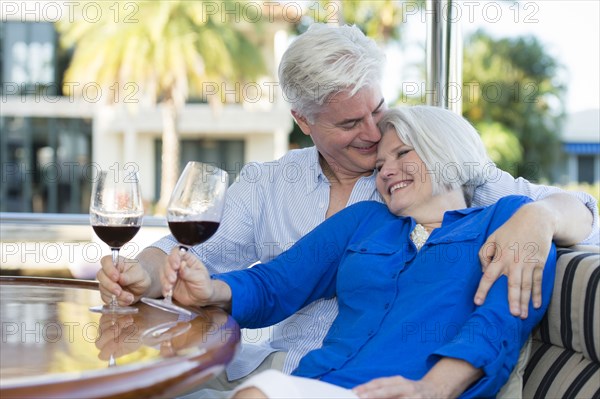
x: 564, y: 358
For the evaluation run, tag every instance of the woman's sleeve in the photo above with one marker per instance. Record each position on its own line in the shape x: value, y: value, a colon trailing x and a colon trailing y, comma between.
x: 268, y: 293
x: 492, y: 337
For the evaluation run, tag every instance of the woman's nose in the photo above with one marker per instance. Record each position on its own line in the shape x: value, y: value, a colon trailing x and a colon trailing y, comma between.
x: 386, y: 172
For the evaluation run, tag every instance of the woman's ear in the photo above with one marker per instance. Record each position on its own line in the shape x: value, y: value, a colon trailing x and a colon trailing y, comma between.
x: 302, y: 122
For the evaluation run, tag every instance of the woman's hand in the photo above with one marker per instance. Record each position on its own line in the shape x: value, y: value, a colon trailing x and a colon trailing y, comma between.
x: 188, y: 277
x: 396, y: 387
x: 447, y: 379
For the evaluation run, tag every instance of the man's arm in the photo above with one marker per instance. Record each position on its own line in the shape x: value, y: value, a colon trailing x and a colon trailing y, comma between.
x: 519, y: 248
x: 231, y: 247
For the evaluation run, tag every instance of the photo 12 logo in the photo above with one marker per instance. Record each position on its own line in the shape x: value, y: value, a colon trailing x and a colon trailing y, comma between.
x: 471, y: 11
x: 71, y: 11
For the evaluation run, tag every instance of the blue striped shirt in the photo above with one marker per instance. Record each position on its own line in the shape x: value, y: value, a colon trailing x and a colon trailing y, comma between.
x: 275, y: 203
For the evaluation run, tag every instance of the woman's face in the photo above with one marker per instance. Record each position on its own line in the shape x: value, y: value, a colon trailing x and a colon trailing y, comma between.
x: 402, y: 178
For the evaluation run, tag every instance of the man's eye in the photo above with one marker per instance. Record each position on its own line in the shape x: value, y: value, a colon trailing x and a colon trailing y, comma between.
x: 378, y: 168
x: 349, y: 125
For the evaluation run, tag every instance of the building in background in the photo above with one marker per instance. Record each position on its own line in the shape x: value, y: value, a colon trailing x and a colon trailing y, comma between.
x: 52, y: 145
x: 581, y: 146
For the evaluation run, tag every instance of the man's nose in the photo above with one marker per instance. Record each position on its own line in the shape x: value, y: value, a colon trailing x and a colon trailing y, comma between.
x: 371, y: 132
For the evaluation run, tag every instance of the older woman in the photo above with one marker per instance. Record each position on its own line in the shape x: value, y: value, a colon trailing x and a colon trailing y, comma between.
x: 404, y: 276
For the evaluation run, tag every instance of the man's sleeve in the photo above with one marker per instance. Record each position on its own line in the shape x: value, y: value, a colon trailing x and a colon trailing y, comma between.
x: 500, y: 184
x: 233, y: 246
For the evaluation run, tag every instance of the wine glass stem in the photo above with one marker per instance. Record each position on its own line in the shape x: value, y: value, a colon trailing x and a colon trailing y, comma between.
x: 169, y: 296
x: 115, y: 259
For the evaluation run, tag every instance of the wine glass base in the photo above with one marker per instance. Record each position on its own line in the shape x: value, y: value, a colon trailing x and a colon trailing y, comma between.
x: 167, y: 306
x: 164, y: 332
x: 108, y: 309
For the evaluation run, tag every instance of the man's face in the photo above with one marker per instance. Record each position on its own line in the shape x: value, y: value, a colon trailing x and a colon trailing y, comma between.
x: 345, y: 131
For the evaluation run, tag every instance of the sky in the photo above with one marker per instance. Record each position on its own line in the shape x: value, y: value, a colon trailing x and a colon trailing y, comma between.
x: 570, y: 30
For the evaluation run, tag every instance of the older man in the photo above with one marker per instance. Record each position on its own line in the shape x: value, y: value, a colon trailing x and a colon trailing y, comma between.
x: 332, y: 77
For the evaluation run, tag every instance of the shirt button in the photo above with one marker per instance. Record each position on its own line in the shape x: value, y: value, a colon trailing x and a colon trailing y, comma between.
x: 371, y: 332
x: 386, y: 306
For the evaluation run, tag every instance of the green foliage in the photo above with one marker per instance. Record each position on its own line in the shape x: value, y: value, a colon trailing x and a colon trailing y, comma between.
x: 170, y: 49
x: 381, y: 20
x: 502, y: 145
x: 165, y: 51
x: 513, y: 82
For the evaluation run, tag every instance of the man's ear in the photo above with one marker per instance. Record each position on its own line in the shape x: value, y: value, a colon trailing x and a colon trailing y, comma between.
x: 302, y: 122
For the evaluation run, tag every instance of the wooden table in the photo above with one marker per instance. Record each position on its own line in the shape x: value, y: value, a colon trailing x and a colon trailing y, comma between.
x: 52, y: 346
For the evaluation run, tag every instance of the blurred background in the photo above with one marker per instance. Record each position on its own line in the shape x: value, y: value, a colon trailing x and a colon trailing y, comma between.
x: 88, y: 85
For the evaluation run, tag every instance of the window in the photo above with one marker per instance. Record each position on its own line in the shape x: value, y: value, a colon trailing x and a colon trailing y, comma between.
x: 29, y: 58
x: 585, y: 169
x: 225, y: 154
x: 45, y: 165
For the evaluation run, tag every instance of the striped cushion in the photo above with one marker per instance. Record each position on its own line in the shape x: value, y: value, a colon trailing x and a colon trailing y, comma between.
x: 565, y: 359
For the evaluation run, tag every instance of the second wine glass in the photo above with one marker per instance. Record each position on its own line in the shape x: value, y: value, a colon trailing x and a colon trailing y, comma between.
x: 194, y: 214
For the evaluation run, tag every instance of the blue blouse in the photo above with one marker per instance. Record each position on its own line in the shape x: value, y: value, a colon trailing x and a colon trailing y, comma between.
x: 400, y: 310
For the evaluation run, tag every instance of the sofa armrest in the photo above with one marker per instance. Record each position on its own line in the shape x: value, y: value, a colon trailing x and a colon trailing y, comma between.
x: 565, y: 359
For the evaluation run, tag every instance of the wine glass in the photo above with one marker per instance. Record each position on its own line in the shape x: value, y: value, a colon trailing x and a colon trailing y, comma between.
x: 116, y: 213
x: 194, y: 214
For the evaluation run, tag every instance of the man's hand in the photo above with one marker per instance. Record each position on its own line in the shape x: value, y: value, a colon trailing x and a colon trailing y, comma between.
x: 128, y: 281
x: 518, y: 249
x: 119, y: 335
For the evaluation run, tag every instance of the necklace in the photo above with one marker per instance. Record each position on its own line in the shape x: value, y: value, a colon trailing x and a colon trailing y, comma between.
x: 419, y: 235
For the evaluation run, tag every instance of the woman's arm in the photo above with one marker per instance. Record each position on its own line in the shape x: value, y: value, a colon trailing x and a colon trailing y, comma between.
x: 447, y: 379
x: 491, y: 338
x: 482, y: 354
x: 268, y: 293
x: 233, y: 246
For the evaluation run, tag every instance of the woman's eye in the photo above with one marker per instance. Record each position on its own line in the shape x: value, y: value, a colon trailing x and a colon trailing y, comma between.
x: 403, y: 152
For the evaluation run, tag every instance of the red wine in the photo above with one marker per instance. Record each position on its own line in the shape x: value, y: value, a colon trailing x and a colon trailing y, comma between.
x: 193, y: 232
x: 116, y: 236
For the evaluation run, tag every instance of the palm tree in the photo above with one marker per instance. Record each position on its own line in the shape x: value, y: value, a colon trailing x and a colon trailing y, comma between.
x: 381, y: 20
x: 170, y: 49
x: 519, y: 97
